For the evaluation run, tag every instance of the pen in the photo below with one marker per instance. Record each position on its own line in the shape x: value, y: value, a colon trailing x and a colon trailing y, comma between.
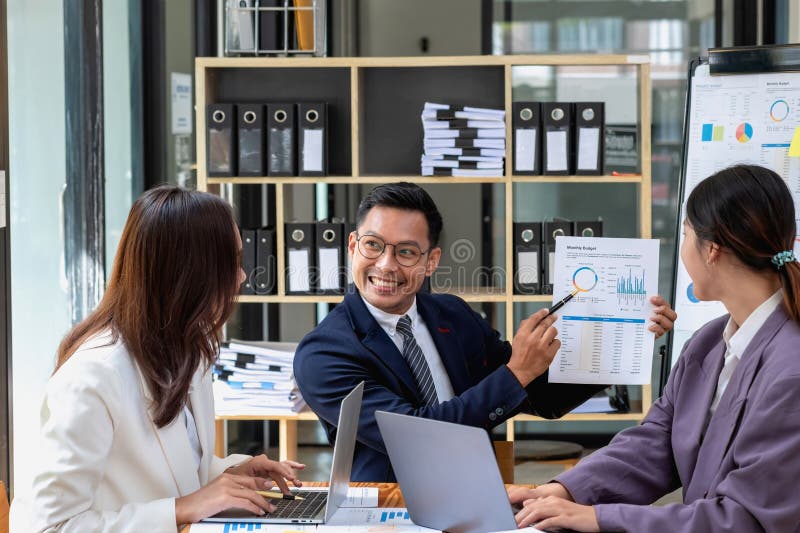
x: 278, y: 495
x: 561, y: 303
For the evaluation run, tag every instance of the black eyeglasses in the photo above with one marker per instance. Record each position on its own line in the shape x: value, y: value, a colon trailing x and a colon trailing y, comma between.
x: 405, y: 253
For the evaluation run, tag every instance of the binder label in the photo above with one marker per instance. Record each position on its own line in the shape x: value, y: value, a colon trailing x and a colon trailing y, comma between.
x: 329, y: 269
x: 528, y: 267
x: 557, y: 150
x: 524, y: 149
x: 588, y: 139
x: 299, y: 272
x: 312, y: 150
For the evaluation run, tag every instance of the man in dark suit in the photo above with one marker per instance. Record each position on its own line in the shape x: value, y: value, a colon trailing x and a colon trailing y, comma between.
x: 427, y: 355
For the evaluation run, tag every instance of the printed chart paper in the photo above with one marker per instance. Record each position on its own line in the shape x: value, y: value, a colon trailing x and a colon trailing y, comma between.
x: 603, y: 329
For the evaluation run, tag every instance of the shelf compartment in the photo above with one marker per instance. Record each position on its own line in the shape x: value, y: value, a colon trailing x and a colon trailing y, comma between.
x: 390, y: 141
x: 331, y: 85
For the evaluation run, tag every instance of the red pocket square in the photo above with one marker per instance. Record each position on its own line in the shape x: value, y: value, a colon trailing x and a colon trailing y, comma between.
x: 443, y: 330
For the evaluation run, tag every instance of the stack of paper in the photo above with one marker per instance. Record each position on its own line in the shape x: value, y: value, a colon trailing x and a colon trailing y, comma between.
x: 463, y: 141
x: 253, y: 378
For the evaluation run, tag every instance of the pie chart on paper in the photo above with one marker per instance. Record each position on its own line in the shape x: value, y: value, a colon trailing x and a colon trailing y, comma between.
x: 744, y: 132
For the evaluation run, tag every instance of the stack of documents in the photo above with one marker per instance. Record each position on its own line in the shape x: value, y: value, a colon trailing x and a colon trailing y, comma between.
x: 463, y: 141
x: 254, y: 378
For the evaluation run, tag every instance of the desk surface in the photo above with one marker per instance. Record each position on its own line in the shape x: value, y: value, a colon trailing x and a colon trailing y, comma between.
x: 389, y: 494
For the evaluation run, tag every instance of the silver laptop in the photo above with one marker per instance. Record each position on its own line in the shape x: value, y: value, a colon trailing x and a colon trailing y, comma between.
x: 319, y: 504
x: 447, y: 473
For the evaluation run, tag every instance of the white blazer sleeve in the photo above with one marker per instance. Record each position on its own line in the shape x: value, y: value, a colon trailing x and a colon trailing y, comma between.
x: 219, y: 465
x: 77, y: 433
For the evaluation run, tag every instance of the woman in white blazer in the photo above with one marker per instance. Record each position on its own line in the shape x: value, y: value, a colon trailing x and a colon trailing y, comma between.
x: 128, y: 418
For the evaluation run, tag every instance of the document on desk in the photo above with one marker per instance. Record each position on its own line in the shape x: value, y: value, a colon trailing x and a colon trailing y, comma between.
x: 241, y: 527
x: 603, y: 329
x: 377, y: 519
x: 361, y: 497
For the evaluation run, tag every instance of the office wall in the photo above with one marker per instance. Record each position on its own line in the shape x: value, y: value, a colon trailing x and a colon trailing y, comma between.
x: 395, y: 28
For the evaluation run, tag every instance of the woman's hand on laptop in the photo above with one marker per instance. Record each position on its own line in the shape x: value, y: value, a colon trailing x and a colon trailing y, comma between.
x: 517, y: 495
x: 224, y: 492
x: 265, y: 471
x: 556, y: 513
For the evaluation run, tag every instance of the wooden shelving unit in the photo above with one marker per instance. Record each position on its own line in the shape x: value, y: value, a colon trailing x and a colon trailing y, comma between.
x: 375, y: 137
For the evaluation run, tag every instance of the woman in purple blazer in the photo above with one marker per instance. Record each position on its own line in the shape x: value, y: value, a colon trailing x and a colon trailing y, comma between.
x: 727, y: 428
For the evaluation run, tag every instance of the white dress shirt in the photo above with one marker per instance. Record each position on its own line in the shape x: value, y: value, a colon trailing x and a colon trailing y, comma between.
x: 736, y: 340
x: 388, y: 321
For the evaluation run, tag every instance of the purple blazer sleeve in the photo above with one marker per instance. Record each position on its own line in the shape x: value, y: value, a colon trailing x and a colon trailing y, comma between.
x: 741, y: 477
x: 759, y: 495
x: 637, y: 466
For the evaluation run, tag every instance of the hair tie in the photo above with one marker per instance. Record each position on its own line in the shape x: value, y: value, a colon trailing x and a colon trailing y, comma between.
x: 781, y: 258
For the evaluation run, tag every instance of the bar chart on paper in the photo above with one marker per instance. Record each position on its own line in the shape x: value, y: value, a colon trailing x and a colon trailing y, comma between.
x: 603, y: 329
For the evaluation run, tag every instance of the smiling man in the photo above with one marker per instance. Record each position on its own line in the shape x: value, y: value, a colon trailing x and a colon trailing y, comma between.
x: 420, y: 354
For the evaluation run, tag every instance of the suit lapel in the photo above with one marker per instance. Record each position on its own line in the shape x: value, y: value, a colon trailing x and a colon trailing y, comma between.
x: 725, y: 422
x: 202, y: 409
x: 443, y: 335
x: 378, y: 342
x: 696, y: 419
x: 174, y: 442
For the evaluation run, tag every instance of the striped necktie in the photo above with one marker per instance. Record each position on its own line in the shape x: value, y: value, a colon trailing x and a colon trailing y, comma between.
x: 416, y: 360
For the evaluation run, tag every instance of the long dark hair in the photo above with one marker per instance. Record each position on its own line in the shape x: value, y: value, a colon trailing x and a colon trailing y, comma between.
x: 172, y: 288
x: 749, y: 210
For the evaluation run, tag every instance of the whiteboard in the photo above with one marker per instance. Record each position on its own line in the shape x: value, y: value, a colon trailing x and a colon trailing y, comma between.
x: 740, y: 118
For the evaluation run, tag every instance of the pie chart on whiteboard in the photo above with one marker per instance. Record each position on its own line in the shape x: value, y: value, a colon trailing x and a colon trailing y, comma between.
x: 744, y: 132
x: 690, y: 294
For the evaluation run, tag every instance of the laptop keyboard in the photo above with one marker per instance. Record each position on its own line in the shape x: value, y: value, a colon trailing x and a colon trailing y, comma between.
x: 313, y: 503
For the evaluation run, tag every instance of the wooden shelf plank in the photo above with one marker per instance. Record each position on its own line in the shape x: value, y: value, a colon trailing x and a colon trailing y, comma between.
x: 423, y: 62
x: 477, y: 294
x: 343, y: 180
x: 532, y: 298
x: 288, y: 299
x: 309, y: 415
x: 603, y: 417
x: 303, y: 415
x: 576, y: 179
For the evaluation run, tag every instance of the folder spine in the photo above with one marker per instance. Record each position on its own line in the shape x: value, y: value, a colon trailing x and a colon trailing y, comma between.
x: 281, y: 139
x: 526, y: 138
x: 251, y: 139
x: 300, y: 258
x: 527, y: 257
x: 248, y: 260
x: 551, y: 231
x: 589, y: 142
x: 313, y: 138
x: 221, y: 140
x: 557, y: 139
x: 330, y: 258
x: 265, y: 279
